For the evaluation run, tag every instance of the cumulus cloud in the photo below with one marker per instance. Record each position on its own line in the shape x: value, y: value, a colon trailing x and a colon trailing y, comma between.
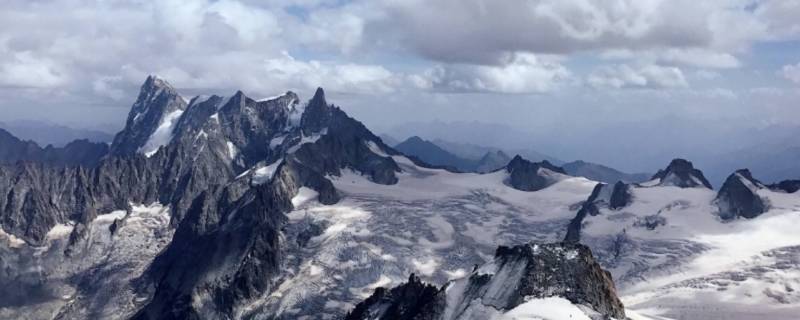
x: 523, y: 73
x: 23, y: 69
x: 625, y: 76
x: 791, y: 72
x: 71, y: 54
x: 479, y: 31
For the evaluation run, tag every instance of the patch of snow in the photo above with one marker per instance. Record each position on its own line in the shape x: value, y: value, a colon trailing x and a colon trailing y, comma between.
x: 376, y: 149
x: 303, y: 196
x: 233, y: 151
x: 366, y: 291
x: 456, y: 274
x: 162, y: 135
x: 202, y: 134
x: 271, y: 98
x: 13, y: 241
x: 110, y: 217
x: 59, y: 231
x: 427, y: 267
x: 277, y: 141
x: 265, y: 174
x: 308, y: 139
x: 551, y: 308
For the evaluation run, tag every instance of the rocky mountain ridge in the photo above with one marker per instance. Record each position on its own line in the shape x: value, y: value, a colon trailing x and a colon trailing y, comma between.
x: 517, y: 275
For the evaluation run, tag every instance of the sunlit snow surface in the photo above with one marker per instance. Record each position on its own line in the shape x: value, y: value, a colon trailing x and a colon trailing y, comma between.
x: 433, y: 223
x: 437, y: 224
x: 41, y: 282
x: 163, y: 134
x: 691, y: 265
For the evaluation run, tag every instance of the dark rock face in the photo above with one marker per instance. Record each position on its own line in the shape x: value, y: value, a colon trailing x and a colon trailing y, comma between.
x: 589, y: 207
x: 788, y: 186
x: 738, y: 197
x: 526, y: 176
x: 681, y: 173
x: 157, y: 100
x: 620, y: 196
x: 533, y: 270
x: 343, y: 143
x: 411, y: 300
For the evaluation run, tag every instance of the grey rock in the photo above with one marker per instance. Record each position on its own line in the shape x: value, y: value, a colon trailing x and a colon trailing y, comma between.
x: 620, y: 196
x: 588, y: 208
x: 681, y: 173
x: 529, y: 271
x: 738, y: 197
x: 157, y: 99
x: 527, y: 176
x: 788, y: 186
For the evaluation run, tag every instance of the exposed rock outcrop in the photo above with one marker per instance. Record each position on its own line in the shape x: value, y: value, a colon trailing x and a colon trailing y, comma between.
x: 157, y: 106
x: 620, y: 196
x: 739, y: 197
x: 788, y: 186
x: 532, y: 176
x: 588, y: 208
x: 517, y: 275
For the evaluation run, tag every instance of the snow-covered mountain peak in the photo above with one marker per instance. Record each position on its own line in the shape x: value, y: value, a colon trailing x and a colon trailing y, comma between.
x: 679, y: 173
x: 151, y: 120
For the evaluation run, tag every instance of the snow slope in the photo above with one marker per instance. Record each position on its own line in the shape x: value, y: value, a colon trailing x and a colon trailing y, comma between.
x: 671, y: 255
x: 433, y: 222
x: 95, y: 281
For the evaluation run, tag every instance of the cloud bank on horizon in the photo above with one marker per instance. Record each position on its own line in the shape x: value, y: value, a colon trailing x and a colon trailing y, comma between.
x: 593, y: 60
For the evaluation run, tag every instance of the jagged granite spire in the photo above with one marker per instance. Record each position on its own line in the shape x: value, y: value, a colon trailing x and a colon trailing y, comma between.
x: 150, y: 122
x: 681, y: 173
x: 317, y: 114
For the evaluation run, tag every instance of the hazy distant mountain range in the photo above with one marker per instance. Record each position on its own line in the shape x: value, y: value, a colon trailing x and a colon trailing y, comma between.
x: 473, y: 158
x: 45, y: 133
x: 635, y: 146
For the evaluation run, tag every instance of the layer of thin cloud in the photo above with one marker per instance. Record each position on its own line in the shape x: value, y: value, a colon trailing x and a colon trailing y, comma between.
x: 625, y: 76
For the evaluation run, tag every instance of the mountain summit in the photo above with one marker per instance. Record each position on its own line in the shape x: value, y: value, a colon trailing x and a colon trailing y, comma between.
x: 680, y: 173
x: 151, y: 119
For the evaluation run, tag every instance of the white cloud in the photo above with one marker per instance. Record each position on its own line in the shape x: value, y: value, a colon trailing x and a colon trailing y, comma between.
x: 479, y: 31
x: 522, y: 73
x: 23, y: 69
x: 648, y: 76
x: 791, y: 72
x: 781, y: 18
